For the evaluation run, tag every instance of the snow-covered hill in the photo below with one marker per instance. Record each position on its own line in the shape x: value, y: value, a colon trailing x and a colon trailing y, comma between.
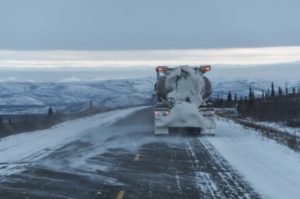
x: 35, y: 97
x: 241, y: 87
x: 34, y: 90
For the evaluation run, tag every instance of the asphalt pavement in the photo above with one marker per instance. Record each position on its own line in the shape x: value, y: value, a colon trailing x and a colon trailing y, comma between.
x: 129, y: 162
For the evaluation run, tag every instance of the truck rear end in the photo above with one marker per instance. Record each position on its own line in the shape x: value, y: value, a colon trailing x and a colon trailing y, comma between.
x: 181, y: 101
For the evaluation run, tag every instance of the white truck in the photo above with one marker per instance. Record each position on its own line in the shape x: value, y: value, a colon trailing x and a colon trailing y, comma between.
x: 181, y: 101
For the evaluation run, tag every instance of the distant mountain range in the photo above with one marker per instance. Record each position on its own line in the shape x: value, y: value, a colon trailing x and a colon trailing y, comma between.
x: 241, y: 87
x: 73, y: 92
x: 35, y: 97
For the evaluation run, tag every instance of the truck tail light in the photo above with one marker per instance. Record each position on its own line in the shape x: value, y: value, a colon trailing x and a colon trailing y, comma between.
x: 205, y: 69
x: 163, y: 113
x: 161, y: 68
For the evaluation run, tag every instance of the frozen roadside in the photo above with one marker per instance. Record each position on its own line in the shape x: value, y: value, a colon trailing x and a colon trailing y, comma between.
x: 281, y: 127
x: 21, y: 150
x: 272, y: 169
x: 288, y: 136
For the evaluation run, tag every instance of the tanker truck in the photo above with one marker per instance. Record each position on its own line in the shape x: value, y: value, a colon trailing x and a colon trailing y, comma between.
x: 181, y: 101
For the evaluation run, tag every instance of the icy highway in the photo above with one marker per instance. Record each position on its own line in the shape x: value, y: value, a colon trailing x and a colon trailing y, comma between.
x: 115, y: 155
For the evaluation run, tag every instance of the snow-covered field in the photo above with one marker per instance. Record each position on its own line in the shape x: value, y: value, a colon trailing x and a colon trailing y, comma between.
x: 35, y: 97
x: 272, y: 169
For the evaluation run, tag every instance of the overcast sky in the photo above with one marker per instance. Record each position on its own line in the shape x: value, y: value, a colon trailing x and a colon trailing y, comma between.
x: 115, y: 33
x: 147, y: 24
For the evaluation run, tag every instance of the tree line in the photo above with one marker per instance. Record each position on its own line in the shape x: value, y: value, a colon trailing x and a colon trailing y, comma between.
x: 273, y: 104
x: 12, y: 124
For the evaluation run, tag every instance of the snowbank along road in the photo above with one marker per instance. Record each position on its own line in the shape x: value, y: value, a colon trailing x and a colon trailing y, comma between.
x: 115, y: 155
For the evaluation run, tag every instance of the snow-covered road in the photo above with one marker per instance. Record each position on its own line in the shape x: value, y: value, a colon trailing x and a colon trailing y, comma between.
x: 21, y: 150
x: 272, y: 169
x: 116, y: 150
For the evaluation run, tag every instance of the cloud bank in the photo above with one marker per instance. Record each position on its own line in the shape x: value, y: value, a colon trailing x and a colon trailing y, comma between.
x: 137, y: 58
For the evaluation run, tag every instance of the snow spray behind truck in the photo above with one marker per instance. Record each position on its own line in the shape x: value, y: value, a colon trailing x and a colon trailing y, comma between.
x: 181, y: 101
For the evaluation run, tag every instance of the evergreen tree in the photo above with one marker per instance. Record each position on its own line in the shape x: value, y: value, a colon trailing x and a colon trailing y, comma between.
x: 280, y: 93
x: 251, y: 94
x: 294, y: 91
x: 50, y: 111
x: 272, y: 90
x: 229, y: 97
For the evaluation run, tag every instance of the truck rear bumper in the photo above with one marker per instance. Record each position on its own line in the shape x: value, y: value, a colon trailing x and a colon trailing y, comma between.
x: 196, y: 131
x: 196, y: 121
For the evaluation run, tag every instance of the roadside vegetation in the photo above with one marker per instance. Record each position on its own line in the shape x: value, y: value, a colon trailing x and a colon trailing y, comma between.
x: 13, y: 124
x: 272, y: 105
